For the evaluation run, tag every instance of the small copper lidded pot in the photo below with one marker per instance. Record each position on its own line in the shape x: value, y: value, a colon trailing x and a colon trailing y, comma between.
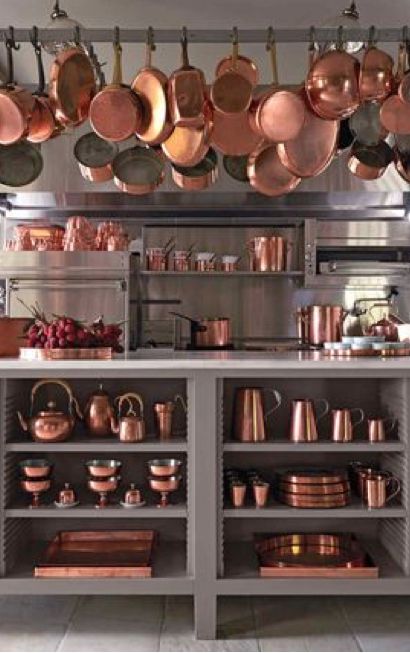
x: 132, y: 496
x: 67, y: 496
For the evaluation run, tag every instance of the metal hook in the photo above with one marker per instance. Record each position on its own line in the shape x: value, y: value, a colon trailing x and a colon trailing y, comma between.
x: 184, y: 36
x: 10, y: 40
x: 372, y: 36
x: 235, y: 36
x: 34, y: 39
x: 405, y: 34
x: 340, y: 31
x: 270, y: 38
x: 312, y: 38
x: 117, y: 43
x: 77, y: 36
x: 150, y: 38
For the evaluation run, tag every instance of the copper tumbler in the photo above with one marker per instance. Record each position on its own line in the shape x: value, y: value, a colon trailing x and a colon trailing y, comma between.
x: 380, y: 489
x: 303, y: 421
x: 342, y: 424
x: 379, y: 427
x: 249, y: 413
x: 260, y: 493
x: 238, y: 493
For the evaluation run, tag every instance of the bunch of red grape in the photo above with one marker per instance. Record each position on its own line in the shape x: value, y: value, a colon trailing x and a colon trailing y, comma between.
x: 64, y: 332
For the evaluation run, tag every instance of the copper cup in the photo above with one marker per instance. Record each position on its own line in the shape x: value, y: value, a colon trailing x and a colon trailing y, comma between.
x: 343, y: 425
x: 250, y: 416
x: 381, y: 487
x: 362, y: 474
x: 379, y: 427
x: 238, y: 493
x: 260, y: 493
x: 303, y: 423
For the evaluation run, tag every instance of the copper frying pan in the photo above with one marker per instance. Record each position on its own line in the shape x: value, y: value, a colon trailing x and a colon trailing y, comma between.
x: 94, y: 156
x: 16, y: 103
x: 376, y: 78
x: 332, y: 84
x: 198, y: 177
x: 138, y: 170
x: 231, y: 92
x: 116, y: 111
x: 72, y: 85
x: 245, y: 67
x: 370, y: 163
x: 186, y: 91
x: 267, y: 174
x: 187, y: 146
x: 279, y: 114
x: 42, y: 123
x: 150, y: 84
x: 394, y: 113
x: 233, y: 135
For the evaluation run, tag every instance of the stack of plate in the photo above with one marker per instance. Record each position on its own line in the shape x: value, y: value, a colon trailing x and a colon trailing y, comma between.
x: 314, y: 488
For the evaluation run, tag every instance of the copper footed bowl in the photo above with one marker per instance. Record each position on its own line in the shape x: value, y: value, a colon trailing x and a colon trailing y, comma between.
x: 103, y: 468
x: 164, y: 483
x: 35, y: 485
x: 35, y: 468
x: 164, y: 466
x: 108, y: 484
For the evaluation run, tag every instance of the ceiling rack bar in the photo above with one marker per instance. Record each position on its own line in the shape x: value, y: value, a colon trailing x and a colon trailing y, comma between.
x: 282, y: 35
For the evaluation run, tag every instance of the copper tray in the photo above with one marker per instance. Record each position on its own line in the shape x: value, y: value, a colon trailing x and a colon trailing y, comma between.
x: 352, y: 353
x: 312, y: 489
x: 98, y: 554
x: 317, y: 501
x: 97, y: 353
x: 314, y: 476
x: 313, y: 555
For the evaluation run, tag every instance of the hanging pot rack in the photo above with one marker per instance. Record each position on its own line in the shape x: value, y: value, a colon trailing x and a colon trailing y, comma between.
x: 282, y: 35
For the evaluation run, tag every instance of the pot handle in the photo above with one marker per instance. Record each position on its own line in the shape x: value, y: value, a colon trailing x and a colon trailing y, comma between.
x: 360, y: 411
x: 326, y: 408
x: 129, y: 396
x: 278, y: 399
x: 391, y: 423
x: 179, y: 398
x: 71, y: 401
x: 394, y: 482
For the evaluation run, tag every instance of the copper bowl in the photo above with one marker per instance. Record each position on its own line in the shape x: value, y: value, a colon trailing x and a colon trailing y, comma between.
x: 37, y: 468
x: 35, y: 485
x: 107, y: 484
x: 103, y: 468
x: 165, y: 483
x: 164, y: 466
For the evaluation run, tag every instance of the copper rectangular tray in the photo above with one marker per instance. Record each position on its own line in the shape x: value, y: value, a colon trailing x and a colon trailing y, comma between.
x: 98, y: 554
x: 96, y: 353
x: 313, y: 555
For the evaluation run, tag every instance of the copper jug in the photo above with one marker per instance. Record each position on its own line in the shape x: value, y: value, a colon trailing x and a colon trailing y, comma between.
x: 249, y: 413
x: 342, y: 424
x: 303, y: 421
x: 379, y: 427
x: 163, y: 413
x: 130, y: 427
x: 98, y: 413
x: 50, y: 425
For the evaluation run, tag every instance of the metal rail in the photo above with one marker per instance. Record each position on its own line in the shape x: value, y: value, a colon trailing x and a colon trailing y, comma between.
x: 282, y: 35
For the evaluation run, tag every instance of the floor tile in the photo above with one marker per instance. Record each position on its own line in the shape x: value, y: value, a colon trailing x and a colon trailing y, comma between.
x: 86, y: 633
x: 29, y: 636
x: 43, y: 609
x: 131, y: 608
x: 379, y: 623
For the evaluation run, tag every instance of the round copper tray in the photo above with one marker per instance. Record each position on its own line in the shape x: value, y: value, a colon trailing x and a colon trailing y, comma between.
x: 310, y: 488
x: 33, y: 354
x: 353, y: 353
x: 309, y: 501
x: 310, y: 550
x: 314, y: 476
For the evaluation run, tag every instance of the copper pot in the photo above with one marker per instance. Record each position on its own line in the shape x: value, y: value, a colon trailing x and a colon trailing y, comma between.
x: 50, y: 425
x: 268, y: 253
x: 320, y: 323
x: 99, y: 413
x: 208, y: 332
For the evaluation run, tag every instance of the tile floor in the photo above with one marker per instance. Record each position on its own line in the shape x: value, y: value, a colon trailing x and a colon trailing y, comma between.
x: 156, y: 624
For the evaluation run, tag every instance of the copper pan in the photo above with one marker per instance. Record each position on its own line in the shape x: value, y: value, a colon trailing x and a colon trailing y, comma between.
x: 20, y: 164
x: 376, y: 78
x: 394, y: 113
x: 187, y: 146
x: 279, y: 114
x: 186, y: 91
x: 365, y: 124
x: 314, y: 475
x: 233, y: 135
x: 94, y: 156
x: 116, y: 112
x: 332, y: 84
x: 245, y: 67
x: 236, y: 167
x: 404, y: 85
x: 16, y: 103
x: 150, y: 84
x: 138, y: 170
x: 370, y: 163
x: 72, y: 85
x: 267, y: 174
x: 42, y: 123
x: 231, y: 92
x: 198, y: 177
x: 314, y: 148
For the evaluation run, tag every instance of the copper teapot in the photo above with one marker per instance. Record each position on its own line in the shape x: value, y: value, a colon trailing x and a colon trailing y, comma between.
x: 98, y: 413
x: 51, y: 425
x: 131, y: 426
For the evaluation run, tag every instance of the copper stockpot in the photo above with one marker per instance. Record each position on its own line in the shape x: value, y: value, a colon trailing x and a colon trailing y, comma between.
x: 319, y: 323
x: 98, y: 413
x: 303, y: 420
x: 268, y: 253
x: 342, y: 424
x: 129, y: 427
x: 249, y: 423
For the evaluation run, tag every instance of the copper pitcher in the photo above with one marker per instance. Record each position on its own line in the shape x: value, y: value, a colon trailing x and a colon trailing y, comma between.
x: 381, y: 487
x: 343, y: 425
x: 303, y: 422
x: 163, y: 414
x: 131, y: 426
x: 249, y: 413
x: 98, y: 413
x: 379, y: 427
x: 51, y: 425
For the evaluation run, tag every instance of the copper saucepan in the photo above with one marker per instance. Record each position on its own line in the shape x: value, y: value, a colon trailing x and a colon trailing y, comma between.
x: 231, y: 91
x: 370, y: 162
x: 42, y: 124
x: 198, y: 177
x: 208, y: 332
x: 376, y: 78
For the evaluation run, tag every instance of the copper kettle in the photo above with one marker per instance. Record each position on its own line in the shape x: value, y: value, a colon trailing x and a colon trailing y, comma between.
x: 130, y: 427
x: 98, y: 413
x: 51, y: 425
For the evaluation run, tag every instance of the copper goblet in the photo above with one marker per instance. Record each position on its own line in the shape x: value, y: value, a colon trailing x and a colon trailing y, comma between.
x: 164, y: 466
x: 103, y: 468
x: 102, y: 486
x: 164, y: 485
x: 35, y: 486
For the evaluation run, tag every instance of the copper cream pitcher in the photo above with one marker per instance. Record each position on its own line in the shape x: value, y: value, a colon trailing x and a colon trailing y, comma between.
x: 249, y: 413
x: 131, y: 426
x: 343, y: 425
x: 303, y: 421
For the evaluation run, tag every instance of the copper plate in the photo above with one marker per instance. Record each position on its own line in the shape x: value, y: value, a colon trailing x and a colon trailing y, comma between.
x: 309, y: 501
x: 98, y: 554
x: 314, y: 476
x: 32, y: 354
x: 313, y: 555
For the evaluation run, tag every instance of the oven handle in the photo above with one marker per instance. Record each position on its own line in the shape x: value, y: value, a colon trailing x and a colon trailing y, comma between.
x: 16, y: 285
x: 366, y: 268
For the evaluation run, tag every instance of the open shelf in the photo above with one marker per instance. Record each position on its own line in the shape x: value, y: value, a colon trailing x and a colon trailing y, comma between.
x: 322, y: 446
x: 169, y: 576
x: 88, y: 510
x: 225, y: 275
x: 83, y: 445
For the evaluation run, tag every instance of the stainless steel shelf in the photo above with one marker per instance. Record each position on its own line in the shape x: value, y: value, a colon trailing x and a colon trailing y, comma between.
x: 87, y: 511
x: 226, y: 275
x: 314, y: 447
x: 150, y: 445
x: 280, y: 511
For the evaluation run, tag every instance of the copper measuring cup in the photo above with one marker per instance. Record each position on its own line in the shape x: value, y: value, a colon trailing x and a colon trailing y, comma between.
x: 249, y: 413
x: 163, y: 413
x: 342, y: 424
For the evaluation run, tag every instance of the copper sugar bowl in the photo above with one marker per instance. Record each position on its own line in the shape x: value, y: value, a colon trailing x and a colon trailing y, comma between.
x: 51, y: 425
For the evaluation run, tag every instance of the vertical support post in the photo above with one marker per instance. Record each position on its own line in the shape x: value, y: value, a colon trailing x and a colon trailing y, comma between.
x: 2, y: 476
x: 202, y: 423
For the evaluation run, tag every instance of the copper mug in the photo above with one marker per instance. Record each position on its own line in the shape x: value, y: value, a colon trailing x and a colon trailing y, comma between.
x: 381, y: 487
x: 362, y: 474
x: 303, y: 421
x: 163, y: 414
x: 250, y: 416
x: 343, y: 425
x: 379, y: 427
x: 131, y: 426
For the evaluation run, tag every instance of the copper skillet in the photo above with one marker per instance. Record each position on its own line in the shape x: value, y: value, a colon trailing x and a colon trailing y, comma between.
x: 72, y: 85
x: 245, y: 67
x: 150, y: 84
x: 186, y: 91
x: 267, y: 174
x: 279, y: 114
x: 16, y: 103
x: 42, y: 123
x: 231, y: 92
x: 394, y: 113
x: 370, y: 163
x: 116, y: 111
x: 198, y: 177
x: 138, y: 170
